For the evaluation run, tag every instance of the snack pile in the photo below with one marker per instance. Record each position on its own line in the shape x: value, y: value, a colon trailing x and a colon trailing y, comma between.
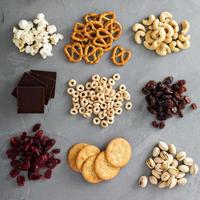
x: 36, y: 37
x: 32, y: 154
x: 166, y: 99
x: 98, y: 97
x: 34, y: 91
x: 168, y: 167
x: 162, y: 34
x: 97, y: 166
x: 92, y: 38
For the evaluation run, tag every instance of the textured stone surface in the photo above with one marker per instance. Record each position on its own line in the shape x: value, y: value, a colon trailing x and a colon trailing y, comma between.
x: 134, y: 125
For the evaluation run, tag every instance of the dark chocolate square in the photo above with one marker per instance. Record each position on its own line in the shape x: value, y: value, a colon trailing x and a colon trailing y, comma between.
x: 29, y: 80
x: 50, y: 85
x: 30, y: 99
x: 47, y: 74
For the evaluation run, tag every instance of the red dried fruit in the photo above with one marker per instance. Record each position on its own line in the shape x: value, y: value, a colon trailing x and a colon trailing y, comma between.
x: 14, y: 172
x: 194, y: 106
x: 25, y: 165
x: 39, y: 133
x: 15, y: 163
x: 48, y: 173
x: 55, y: 151
x: 36, y: 127
x: 23, y: 135
x: 20, y: 180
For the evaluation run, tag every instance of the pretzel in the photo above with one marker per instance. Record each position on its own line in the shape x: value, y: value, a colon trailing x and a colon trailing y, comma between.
x: 78, y: 26
x: 92, y: 54
x: 91, y: 27
x: 120, y: 56
x: 115, y: 28
x: 74, y: 52
x: 107, y: 16
x: 91, y: 17
x: 79, y: 36
x: 103, y: 39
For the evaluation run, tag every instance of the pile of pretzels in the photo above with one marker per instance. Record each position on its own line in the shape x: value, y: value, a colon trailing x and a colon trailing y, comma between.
x: 92, y: 38
x: 162, y: 34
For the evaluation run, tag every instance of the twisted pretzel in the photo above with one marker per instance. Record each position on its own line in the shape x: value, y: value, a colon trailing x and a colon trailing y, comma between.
x: 107, y: 16
x: 74, y: 52
x: 91, y: 17
x: 91, y: 28
x: 120, y: 56
x: 115, y: 28
x: 92, y: 54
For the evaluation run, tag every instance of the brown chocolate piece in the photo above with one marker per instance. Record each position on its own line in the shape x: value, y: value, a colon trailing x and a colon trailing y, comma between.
x: 30, y: 99
x: 29, y: 80
x: 50, y: 85
x: 47, y: 74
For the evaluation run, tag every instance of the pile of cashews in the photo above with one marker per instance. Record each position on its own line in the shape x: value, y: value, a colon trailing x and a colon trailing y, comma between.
x: 162, y: 34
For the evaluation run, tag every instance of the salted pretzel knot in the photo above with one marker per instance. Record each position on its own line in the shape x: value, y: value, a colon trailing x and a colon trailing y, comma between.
x: 120, y: 56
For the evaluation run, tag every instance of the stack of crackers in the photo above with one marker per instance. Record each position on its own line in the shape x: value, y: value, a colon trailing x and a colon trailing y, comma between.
x: 97, y: 166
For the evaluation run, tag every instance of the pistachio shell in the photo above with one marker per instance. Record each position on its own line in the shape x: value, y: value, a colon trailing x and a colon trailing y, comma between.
x: 172, y: 149
x: 188, y: 161
x: 150, y: 163
x: 163, y: 146
x: 156, y: 152
x: 143, y: 180
x: 182, y: 181
x: 184, y: 168
x: 194, y: 169
x: 153, y: 180
x: 165, y: 176
x: 180, y: 175
x: 181, y: 156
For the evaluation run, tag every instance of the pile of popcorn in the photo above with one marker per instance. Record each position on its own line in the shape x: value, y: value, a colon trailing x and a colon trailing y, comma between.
x: 37, y: 36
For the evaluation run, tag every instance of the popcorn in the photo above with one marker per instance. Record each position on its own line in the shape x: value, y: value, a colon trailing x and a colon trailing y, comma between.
x: 36, y: 37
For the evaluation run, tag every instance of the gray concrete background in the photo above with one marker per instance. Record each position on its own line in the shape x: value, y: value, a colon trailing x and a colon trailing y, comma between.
x: 134, y: 125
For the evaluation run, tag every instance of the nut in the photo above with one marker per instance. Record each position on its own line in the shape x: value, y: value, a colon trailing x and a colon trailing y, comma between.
x: 172, y: 149
x: 172, y: 182
x: 143, y: 181
x: 156, y: 173
x: 194, y: 169
x: 158, y: 160
x: 184, y: 168
x: 162, y: 184
x: 163, y: 146
x: 173, y: 170
x: 174, y: 163
x: 182, y: 181
x: 185, y: 27
x: 150, y: 163
x: 156, y: 152
x: 137, y: 27
x: 138, y: 36
x: 165, y: 176
x: 180, y: 175
x: 165, y: 165
x: 181, y: 156
x: 153, y: 180
x: 164, y: 155
x: 188, y: 161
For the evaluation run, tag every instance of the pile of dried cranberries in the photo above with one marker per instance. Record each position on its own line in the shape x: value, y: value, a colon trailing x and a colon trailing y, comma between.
x: 166, y: 99
x: 32, y: 154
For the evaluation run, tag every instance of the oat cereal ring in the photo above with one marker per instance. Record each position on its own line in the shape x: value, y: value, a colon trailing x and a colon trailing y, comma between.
x: 96, y: 77
x: 72, y: 83
x: 116, y: 77
x: 91, y: 17
x: 70, y: 91
x: 92, y: 54
x: 107, y: 16
x: 128, y: 105
x: 73, y: 111
x: 96, y: 121
x: 73, y: 52
x: 115, y: 28
x: 120, y: 56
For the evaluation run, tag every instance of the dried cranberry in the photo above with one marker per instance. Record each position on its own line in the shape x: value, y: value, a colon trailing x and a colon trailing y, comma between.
x: 161, y: 125
x: 155, y: 124
x: 39, y: 133
x: 187, y: 99
x: 56, y: 151
x: 15, y: 163
x: 48, y: 173
x: 14, y: 172
x: 36, y: 127
x: 23, y: 135
x: 20, y: 180
x: 194, y: 106
x: 25, y: 165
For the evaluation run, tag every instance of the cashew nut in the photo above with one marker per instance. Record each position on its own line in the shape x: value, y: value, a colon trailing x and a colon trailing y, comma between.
x: 164, y: 15
x: 162, y: 49
x: 138, y: 36
x: 157, y: 24
x: 161, y: 35
x: 167, y: 40
x: 173, y: 46
x: 185, y: 26
x: 174, y: 24
x: 151, y: 46
x: 183, y: 45
x: 169, y: 29
x: 148, y: 37
x: 175, y: 36
x: 137, y: 27
x: 183, y: 38
x: 149, y: 21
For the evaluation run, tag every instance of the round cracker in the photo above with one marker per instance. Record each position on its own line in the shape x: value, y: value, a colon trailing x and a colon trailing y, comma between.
x: 88, y: 171
x: 118, y: 152
x: 72, y: 155
x: 85, y: 153
x: 103, y: 168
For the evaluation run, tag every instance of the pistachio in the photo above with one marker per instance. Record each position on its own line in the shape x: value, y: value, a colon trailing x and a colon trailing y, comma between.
x: 172, y: 149
x: 158, y: 168
x: 143, y: 180
x: 153, y: 180
x: 164, y: 155
x: 156, y: 173
x: 172, y: 182
x: 173, y: 170
x: 184, y: 168
x: 156, y: 152
x: 165, y: 176
x: 163, y: 146
x: 150, y: 163
x: 165, y: 165
x: 158, y: 160
x: 181, y: 156
x: 182, y: 181
x: 162, y: 184
x: 194, y: 169
x: 180, y: 175
x: 174, y: 163
x: 170, y: 159
x: 188, y: 161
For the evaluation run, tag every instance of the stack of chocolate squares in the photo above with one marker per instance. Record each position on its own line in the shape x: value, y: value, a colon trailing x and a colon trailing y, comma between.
x: 34, y: 91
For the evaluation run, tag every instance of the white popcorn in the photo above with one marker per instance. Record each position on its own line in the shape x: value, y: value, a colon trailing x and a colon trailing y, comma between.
x: 36, y: 37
